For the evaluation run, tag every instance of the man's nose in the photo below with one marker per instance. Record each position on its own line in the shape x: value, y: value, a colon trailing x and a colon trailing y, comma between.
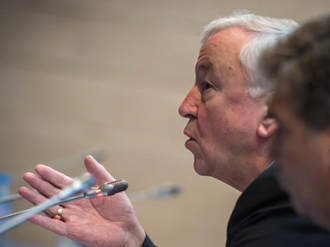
x: 189, y: 106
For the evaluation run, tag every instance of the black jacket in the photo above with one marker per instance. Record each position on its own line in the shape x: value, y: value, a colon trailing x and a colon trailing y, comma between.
x: 263, y: 217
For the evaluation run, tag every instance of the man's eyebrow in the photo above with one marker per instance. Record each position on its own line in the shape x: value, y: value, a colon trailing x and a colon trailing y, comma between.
x: 204, y: 66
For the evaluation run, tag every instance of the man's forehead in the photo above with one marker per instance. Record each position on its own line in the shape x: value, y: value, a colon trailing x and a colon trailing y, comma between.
x: 230, y: 35
x: 224, y: 46
x: 210, y: 56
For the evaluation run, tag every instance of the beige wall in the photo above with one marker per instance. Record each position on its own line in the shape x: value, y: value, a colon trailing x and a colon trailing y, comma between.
x: 107, y: 77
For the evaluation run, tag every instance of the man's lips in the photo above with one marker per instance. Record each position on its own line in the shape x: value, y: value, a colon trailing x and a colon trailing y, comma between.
x: 186, y: 133
x: 191, y: 138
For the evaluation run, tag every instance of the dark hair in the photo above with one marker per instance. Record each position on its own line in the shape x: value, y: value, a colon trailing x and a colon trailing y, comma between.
x: 301, y: 66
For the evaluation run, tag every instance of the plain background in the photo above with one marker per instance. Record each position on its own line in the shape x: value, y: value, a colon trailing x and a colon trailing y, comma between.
x: 107, y: 77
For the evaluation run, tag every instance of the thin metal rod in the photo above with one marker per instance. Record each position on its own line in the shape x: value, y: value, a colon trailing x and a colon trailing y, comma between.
x: 74, y: 198
x: 10, y: 198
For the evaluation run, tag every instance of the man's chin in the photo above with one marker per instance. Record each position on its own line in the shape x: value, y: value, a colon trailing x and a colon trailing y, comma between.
x: 201, y: 168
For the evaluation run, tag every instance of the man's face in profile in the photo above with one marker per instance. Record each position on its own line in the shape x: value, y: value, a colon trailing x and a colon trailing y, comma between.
x: 223, y: 117
x: 301, y: 154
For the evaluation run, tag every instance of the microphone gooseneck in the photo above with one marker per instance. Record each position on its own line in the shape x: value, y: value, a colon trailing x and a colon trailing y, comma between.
x: 106, y: 189
x: 78, y: 185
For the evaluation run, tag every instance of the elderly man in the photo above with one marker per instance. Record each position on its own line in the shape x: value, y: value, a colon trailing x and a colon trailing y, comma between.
x: 230, y: 136
x: 301, y: 65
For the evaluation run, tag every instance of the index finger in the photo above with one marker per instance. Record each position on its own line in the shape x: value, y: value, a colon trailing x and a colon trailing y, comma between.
x: 54, y: 177
x: 98, y: 171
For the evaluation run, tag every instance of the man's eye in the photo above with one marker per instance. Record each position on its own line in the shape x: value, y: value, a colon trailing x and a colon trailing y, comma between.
x: 206, y: 86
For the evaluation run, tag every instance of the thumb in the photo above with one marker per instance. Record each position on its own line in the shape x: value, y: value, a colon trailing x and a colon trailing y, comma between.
x: 98, y: 171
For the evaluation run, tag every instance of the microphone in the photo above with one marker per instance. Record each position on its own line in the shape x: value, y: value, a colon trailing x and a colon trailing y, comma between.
x: 164, y: 191
x: 79, y: 184
x: 106, y: 189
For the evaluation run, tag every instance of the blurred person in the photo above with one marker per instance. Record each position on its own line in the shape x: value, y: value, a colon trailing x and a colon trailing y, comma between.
x: 301, y: 66
x: 230, y: 135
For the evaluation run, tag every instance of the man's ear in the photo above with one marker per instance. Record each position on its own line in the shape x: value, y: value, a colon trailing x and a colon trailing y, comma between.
x: 267, y: 127
x: 268, y: 124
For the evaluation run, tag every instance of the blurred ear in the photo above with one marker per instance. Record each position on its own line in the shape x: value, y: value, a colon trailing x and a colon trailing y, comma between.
x: 267, y: 127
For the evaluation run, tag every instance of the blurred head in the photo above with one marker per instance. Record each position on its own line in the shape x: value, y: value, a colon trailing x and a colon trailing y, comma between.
x: 301, y: 66
x: 228, y: 128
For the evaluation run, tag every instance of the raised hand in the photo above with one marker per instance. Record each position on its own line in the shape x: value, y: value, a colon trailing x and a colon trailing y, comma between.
x: 103, y: 221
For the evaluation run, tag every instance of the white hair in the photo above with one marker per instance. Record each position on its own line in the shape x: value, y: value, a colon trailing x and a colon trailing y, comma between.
x: 265, y: 33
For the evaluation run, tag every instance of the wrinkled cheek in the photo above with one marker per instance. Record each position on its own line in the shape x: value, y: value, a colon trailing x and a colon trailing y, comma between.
x: 214, y: 131
x: 204, y: 154
x: 203, y: 125
x: 212, y: 124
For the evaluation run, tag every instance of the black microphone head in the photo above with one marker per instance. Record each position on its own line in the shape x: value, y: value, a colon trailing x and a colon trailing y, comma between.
x: 118, y: 186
